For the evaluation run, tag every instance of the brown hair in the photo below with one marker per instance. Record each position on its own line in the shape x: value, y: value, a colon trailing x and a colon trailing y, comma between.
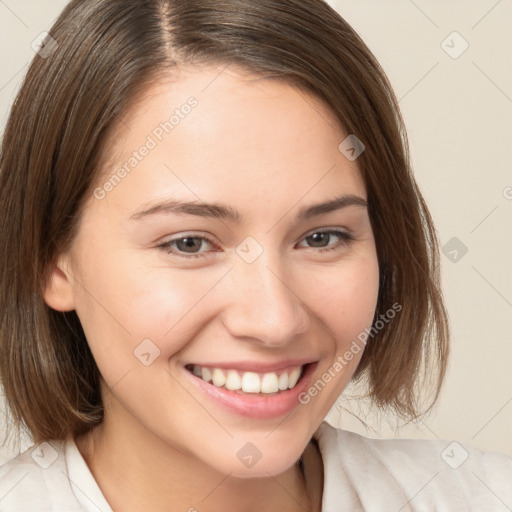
x: 109, y: 51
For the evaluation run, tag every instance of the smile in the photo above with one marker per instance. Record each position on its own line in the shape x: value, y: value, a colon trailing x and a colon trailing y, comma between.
x: 249, y: 382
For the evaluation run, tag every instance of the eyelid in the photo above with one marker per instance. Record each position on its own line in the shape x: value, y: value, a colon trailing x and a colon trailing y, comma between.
x: 327, y: 229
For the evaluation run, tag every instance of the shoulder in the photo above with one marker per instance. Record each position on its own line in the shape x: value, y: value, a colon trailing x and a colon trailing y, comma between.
x: 37, y: 479
x: 440, y: 474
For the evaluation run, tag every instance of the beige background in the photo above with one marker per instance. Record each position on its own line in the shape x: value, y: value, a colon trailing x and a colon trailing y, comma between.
x: 459, y: 116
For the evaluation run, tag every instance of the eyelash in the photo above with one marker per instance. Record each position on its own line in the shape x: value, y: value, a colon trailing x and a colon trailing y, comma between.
x: 346, y: 239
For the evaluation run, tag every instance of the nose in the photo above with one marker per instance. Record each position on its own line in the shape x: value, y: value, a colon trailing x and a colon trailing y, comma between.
x: 263, y: 304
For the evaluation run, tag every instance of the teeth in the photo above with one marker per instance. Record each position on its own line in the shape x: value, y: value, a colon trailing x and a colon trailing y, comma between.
x: 233, y: 382
x: 294, y: 377
x: 249, y: 382
x: 283, y: 381
x: 219, y: 378
x: 270, y: 383
x: 206, y: 374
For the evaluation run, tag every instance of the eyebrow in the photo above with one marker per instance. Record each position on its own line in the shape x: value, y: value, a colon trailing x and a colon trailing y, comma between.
x: 223, y: 212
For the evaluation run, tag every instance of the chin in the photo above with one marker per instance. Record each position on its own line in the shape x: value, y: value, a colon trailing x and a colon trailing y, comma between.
x: 258, y: 460
x: 262, y: 470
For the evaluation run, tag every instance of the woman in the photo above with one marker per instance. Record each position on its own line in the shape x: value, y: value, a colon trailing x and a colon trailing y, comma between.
x: 212, y: 228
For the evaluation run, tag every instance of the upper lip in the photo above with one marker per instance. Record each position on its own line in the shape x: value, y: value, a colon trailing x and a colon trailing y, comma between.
x: 257, y: 367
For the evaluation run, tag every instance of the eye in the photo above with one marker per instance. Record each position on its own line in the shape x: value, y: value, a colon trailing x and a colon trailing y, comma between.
x: 189, y: 246
x: 320, y: 239
x: 186, y: 246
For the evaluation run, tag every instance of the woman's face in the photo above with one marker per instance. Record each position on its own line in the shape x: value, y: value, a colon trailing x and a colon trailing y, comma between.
x: 252, y: 287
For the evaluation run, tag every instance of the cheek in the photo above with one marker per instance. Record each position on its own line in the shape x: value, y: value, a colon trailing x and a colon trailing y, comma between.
x: 344, y: 304
x: 345, y: 297
x: 122, y: 303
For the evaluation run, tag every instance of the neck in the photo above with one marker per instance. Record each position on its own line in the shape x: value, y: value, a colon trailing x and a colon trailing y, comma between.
x: 136, y: 470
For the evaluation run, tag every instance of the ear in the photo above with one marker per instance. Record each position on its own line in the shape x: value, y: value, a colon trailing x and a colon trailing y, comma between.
x: 58, y: 292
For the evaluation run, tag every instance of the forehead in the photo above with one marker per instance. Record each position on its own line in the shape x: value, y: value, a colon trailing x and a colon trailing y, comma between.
x: 226, y: 134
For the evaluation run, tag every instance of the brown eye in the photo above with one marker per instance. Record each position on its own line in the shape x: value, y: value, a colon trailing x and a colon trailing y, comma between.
x: 321, y: 239
x: 186, y: 246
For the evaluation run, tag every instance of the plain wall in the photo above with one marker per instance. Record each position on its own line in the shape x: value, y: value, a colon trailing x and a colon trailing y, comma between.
x: 458, y: 112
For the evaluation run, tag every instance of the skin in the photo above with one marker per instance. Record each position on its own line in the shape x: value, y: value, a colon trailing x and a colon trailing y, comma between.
x: 265, y: 149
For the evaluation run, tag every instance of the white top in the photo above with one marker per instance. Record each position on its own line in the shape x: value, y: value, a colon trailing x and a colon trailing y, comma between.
x: 360, y: 474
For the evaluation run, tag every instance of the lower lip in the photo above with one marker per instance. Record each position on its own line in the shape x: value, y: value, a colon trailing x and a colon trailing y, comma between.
x: 256, y: 405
